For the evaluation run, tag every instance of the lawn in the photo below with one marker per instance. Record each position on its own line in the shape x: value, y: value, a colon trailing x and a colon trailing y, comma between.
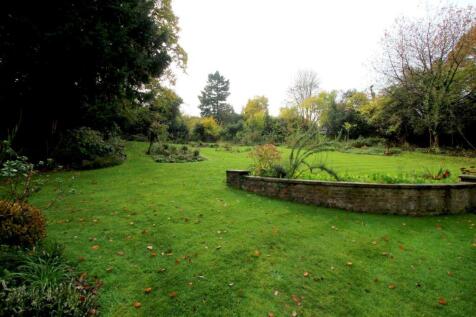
x: 223, y: 252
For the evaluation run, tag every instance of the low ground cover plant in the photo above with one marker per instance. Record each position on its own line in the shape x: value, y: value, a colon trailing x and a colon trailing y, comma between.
x: 41, y: 282
x: 168, y: 153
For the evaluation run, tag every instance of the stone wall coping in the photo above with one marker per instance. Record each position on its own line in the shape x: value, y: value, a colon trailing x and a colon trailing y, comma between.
x: 468, y: 178
x: 360, y: 184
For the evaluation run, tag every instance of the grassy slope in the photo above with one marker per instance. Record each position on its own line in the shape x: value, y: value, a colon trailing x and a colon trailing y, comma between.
x: 188, y: 210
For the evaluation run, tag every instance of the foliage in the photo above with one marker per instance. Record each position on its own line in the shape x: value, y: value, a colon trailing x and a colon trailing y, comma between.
x: 85, y: 148
x: 306, y: 146
x: 213, y: 99
x: 157, y: 133
x: 206, y: 130
x: 441, y: 173
x: 79, y: 63
x: 166, y: 153
x: 40, y: 282
x: 265, y: 157
x: 430, y: 62
x: 17, y: 175
x: 20, y: 224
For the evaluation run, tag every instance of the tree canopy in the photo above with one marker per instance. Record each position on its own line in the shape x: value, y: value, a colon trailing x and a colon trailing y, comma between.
x: 65, y: 64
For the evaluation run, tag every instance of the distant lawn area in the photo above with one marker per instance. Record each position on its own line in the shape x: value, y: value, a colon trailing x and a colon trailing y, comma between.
x: 207, y: 250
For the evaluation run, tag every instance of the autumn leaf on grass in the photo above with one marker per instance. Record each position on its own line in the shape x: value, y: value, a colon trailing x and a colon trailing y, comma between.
x: 147, y: 290
x: 391, y: 286
x: 95, y: 247
x: 296, y: 299
x: 306, y: 274
x: 150, y: 248
x: 120, y: 253
x: 442, y: 301
x: 173, y: 294
x: 137, y: 304
x: 109, y: 270
x: 270, y: 314
x: 349, y: 263
x: 153, y: 254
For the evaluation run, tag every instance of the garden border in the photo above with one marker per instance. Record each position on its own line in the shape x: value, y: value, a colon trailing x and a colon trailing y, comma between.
x: 400, y: 199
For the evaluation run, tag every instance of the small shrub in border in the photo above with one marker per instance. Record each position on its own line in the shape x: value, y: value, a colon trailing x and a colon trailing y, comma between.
x: 20, y: 224
x: 40, y: 282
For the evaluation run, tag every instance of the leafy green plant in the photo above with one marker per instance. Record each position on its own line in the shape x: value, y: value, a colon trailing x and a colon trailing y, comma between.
x: 17, y: 175
x: 305, y: 146
x: 439, y: 174
x: 85, y: 148
x: 42, y: 283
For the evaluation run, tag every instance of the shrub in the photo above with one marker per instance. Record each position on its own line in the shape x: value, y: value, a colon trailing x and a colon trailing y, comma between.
x: 41, y: 283
x: 264, y: 158
x: 165, y: 153
x: 17, y: 175
x: 20, y: 224
x: 84, y: 148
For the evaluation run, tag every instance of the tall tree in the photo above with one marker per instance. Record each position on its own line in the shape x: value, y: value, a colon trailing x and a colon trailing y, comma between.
x: 213, y: 98
x: 426, y: 58
x: 65, y: 64
x: 305, y: 85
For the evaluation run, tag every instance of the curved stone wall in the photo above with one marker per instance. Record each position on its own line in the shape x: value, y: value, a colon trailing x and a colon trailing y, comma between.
x: 402, y: 199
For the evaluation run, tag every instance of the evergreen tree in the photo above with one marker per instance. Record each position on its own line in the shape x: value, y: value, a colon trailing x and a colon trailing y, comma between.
x: 213, y: 99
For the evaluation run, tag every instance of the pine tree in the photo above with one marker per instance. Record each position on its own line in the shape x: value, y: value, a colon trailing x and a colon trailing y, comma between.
x: 213, y: 98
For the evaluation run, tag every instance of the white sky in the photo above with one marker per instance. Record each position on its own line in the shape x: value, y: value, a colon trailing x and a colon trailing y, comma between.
x: 259, y: 45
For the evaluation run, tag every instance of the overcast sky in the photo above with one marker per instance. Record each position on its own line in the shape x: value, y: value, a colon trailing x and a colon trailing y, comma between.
x: 259, y: 45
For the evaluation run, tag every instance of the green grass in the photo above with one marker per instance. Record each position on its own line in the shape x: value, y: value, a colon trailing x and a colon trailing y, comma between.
x: 208, y: 235
x: 407, y: 167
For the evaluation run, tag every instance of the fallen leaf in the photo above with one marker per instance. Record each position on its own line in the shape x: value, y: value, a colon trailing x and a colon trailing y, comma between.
x: 306, y: 274
x: 296, y: 299
x: 401, y: 247
x: 137, y: 304
x: 150, y: 248
x: 120, y: 253
x: 442, y: 301
x: 294, y: 313
x: 374, y: 242
x: 173, y: 294
x: 147, y: 290
x: 109, y: 270
x: 163, y: 269
x: 276, y: 293
x: 257, y: 253
x: 349, y: 263
x: 391, y: 286
x: 270, y: 314
x: 450, y: 273
x: 95, y: 247
x: 153, y: 254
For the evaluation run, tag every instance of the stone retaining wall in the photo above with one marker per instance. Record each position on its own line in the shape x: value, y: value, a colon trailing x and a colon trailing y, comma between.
x: 402, y: 199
